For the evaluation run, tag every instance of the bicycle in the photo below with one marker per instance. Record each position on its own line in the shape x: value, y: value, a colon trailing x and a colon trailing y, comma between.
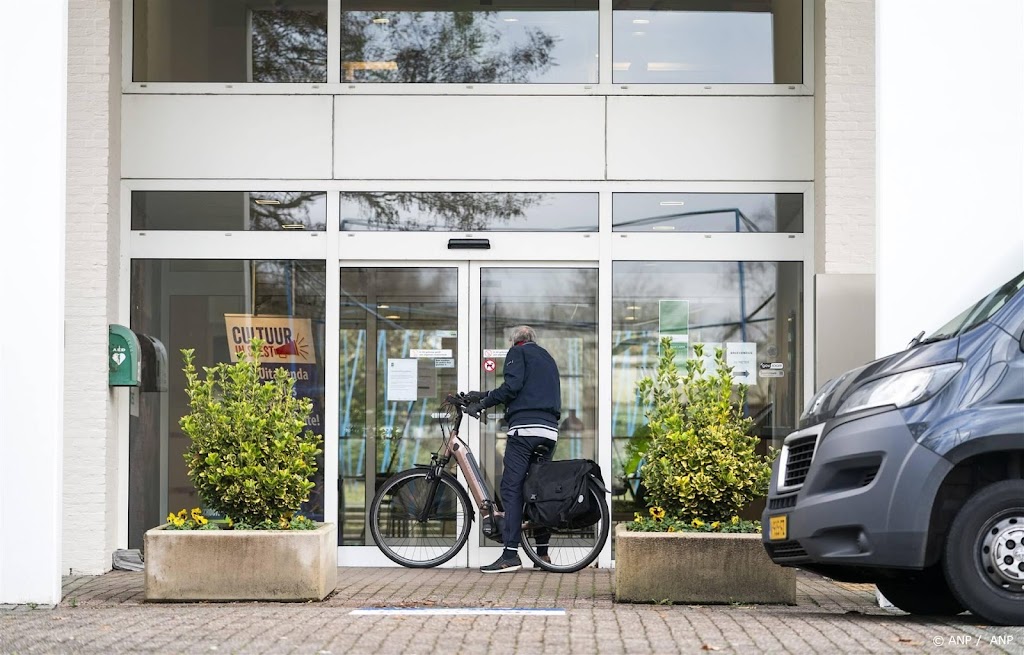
x: 421, y: 517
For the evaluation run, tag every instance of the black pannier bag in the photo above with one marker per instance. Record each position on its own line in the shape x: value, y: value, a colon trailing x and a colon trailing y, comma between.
x: 557, y: 494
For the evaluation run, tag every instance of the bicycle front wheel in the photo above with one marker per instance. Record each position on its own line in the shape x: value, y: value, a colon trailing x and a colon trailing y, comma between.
x: 568, y: 550
x: 419, y: 522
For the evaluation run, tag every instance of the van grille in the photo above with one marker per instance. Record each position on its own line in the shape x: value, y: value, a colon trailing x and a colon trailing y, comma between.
x: 798, y: 460
x: 869, y: 476
x: 782, y: 503
x: 786, y: 549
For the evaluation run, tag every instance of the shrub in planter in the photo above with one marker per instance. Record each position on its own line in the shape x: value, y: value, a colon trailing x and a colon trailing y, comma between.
x: 251, y: 456
x: 700, y: 470
x: 701, y: 467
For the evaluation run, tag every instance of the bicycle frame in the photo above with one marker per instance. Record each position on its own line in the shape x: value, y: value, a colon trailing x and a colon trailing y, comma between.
x: 466, y: 461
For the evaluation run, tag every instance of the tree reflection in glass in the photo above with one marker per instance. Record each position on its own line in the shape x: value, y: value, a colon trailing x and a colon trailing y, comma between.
x: 229, y: 41
x: 229, y: 210
x: 288, y: 210
x: 289, y: 46
x: 529, y: 45
x: 425, y: 211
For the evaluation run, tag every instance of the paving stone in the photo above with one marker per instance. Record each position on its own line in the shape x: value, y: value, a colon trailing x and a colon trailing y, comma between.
x: 108, y: 614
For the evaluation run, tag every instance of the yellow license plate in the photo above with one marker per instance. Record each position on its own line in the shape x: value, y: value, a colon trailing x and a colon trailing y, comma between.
x: 777, y: 529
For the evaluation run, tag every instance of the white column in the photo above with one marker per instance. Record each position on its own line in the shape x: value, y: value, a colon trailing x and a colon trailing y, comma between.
x: 950, y: 87
x: 32, y: 185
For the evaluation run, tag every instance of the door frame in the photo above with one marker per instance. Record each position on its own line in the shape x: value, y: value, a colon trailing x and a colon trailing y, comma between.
x: 469, y: 374
x: 480, y: 555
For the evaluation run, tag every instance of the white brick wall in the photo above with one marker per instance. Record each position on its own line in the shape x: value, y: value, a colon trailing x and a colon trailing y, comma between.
x: 845, y: 136
x: 90, y: 443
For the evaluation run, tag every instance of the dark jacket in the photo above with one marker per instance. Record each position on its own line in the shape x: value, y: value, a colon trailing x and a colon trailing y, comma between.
x: 531, y: 391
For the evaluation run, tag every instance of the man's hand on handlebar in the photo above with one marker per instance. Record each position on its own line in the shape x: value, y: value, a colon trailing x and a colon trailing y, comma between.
x: 474, y: 409
x: 470, y: 403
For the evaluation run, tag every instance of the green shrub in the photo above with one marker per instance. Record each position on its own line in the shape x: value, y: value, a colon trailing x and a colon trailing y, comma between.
x: 251, y: 457
x: 701, y: 464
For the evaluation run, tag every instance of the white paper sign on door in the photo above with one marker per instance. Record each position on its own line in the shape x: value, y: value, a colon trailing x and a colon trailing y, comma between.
x: 742, y: 357
x: 401, y: 380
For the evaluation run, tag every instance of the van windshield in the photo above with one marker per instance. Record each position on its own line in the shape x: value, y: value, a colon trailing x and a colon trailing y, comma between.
x: 980, y: 311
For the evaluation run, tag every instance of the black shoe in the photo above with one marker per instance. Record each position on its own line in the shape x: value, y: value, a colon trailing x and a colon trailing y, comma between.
x: 504, y: 564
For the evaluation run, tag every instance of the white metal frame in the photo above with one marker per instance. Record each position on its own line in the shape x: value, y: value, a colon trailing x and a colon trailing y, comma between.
x: 605, y: 87
x: 379, y: 249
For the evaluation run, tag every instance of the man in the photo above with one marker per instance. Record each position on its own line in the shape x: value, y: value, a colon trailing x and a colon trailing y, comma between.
x: 531, y: 393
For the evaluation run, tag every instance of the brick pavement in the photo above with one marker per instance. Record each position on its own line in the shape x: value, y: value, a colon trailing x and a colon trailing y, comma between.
x: 107, y: 614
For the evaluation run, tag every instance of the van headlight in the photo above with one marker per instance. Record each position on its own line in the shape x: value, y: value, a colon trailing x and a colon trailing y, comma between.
x: 901, y: 389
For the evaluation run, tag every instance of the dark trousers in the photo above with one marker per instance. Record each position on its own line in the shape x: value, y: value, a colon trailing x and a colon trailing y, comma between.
x: 518, y: 452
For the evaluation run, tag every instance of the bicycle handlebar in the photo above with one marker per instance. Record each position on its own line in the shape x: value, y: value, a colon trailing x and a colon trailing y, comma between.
x: 460, y: 401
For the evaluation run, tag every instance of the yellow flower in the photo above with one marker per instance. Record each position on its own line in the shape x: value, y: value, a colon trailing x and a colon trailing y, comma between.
x: 716, y: 525
x: 657, y: 513
x: 182, y: 514
x: 637, y: 517
x: 697, y: 523
x: 171, y: 517
x: 671, y: 528
x: 201, y: 520
x: 735, y: 520
x: 231, y: 523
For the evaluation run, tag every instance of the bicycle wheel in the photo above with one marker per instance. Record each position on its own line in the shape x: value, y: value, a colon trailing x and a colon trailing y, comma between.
x: 568, y: 550
x: 397, y: 510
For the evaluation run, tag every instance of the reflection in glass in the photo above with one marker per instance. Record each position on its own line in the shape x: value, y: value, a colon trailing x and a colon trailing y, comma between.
x: 752, y: 310
x: 179, y: 304
x: 229, y: 210
x: 700, y: 42
x: 540, y: 41
x: 561, y: 305
x: 230, y: 41
x: 708, y: 212
x: 387, y: 315
x: 469, y: 212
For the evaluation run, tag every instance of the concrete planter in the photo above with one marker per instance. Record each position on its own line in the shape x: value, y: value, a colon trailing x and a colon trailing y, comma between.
x: 698, y: 567
x: 225, y: 565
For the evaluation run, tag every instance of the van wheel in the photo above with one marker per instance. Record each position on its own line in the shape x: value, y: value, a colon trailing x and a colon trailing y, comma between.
x: 984, y: 558
x: 925, y: 593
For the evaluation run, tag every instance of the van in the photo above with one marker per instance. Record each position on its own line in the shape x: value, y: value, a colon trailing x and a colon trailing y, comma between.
x: 908, y: 472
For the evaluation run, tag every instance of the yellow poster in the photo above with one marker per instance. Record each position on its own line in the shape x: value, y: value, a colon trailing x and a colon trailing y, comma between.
x: 289, y: 340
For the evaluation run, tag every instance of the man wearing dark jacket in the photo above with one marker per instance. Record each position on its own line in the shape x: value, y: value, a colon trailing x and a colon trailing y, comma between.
x: 531, y: 393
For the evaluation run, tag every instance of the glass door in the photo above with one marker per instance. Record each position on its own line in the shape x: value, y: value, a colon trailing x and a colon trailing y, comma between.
x: 560, y: 303
x: 399, y: 355
x: 409, y: 334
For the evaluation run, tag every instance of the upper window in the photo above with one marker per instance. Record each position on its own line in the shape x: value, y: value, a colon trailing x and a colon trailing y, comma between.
x: 708, y: 212
x: 458, y: 41
x: 253, y: 211
x: 707, y: 41
x: 230, y: 41
x: 469, y: 212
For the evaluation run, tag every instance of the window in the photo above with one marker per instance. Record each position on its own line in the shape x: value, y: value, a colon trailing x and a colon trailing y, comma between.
x: 180, y: 303
x: 704, y: 42
x: 753, y: 310
x: 417, y: 211
x: 708, y: 212
x: 229, y: 210
x: 230, y: 41
x: 537, y: 41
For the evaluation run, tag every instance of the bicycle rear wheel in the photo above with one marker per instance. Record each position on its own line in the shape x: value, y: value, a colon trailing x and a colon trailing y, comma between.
x: 397, y: 516
x: 568, y: 550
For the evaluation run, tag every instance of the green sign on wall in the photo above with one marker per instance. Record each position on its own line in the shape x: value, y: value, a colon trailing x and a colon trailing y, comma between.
x: 123, y: 362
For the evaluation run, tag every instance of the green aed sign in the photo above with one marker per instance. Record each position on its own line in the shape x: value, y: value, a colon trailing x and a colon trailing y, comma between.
x: 123, y: 360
